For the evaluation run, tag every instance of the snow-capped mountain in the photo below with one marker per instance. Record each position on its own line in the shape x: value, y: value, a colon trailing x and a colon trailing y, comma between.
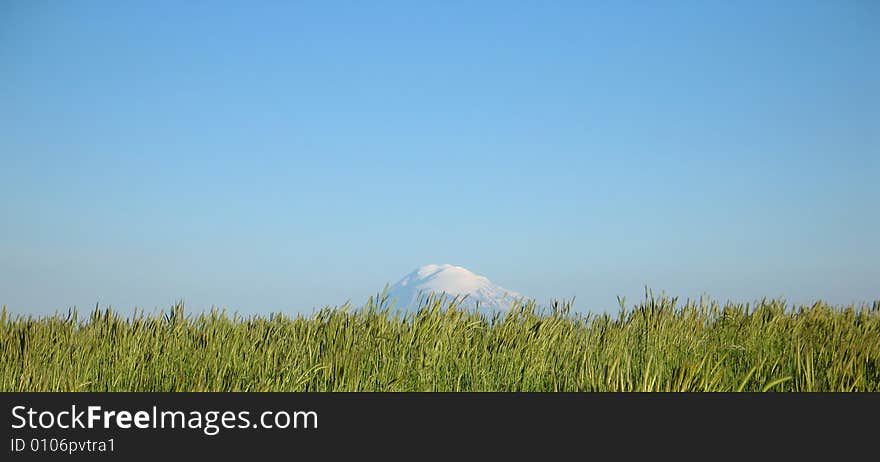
x: 452, y: 281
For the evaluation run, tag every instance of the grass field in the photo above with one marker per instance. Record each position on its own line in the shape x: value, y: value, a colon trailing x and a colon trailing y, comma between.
x: 657, y: 345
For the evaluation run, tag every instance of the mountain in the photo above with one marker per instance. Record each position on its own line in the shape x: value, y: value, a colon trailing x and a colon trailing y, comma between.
x: 451, y: 280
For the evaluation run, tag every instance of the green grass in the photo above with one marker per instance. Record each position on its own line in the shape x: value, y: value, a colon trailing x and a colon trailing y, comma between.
x: 657, y: 345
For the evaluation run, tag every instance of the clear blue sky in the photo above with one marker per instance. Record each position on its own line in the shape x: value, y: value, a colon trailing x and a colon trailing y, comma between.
x: 267, y: 156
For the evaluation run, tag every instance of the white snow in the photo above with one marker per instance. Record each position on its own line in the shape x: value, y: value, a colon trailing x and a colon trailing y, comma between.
x: 453, y: 281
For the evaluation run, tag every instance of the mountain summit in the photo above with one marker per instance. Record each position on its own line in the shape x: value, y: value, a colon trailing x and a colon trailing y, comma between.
x: 453, y: 281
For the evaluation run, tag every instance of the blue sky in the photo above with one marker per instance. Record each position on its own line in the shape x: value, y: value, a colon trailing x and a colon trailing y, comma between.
x: 277, y: 156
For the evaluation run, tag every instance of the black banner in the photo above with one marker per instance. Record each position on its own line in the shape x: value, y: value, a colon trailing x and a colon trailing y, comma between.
x: 127, y: 426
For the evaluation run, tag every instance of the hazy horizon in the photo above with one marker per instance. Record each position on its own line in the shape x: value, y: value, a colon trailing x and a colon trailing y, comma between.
x: 282, y: 157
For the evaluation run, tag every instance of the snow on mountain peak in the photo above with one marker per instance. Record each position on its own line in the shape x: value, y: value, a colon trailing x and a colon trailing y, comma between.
x: 453, y: 281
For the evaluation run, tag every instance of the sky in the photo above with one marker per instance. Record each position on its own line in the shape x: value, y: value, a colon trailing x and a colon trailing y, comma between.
x: 282, y: 156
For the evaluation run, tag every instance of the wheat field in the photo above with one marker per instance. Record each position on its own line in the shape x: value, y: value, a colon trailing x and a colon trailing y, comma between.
x: 659, y: 344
